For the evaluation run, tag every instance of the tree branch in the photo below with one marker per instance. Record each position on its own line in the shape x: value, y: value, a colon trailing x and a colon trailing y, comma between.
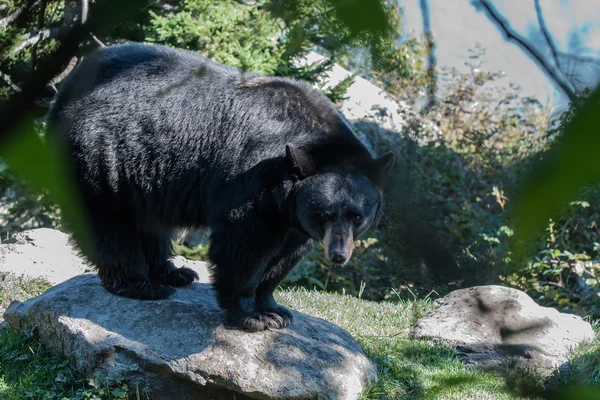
x: 431, y: 60
x: 579, y: 57
x: 9, y: 19
x: 6, y: 78
x: 84, y: 11
x: 510, y: 34
x: 32, y: 38
x: 41, y: 18
x: 546, y: 33
x: 76, y: 12
x: 16, y: 109
x: 6, y: 21
x: 44, y: 103
x: 97, y: 41
x: 58, y: 78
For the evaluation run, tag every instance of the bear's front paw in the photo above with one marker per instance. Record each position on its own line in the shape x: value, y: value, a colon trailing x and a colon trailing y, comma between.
x: 181, y: 277
x: 283, y: 313
x: 259, y: 320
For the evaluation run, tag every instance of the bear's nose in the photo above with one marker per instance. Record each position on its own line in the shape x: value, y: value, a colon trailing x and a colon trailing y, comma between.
x: 337, y: 257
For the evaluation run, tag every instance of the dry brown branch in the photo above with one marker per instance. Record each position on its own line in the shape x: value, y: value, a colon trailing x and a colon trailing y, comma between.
x: 58, y: 78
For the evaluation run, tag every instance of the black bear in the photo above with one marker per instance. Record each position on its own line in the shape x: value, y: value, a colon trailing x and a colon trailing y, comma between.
x: 161, y: 139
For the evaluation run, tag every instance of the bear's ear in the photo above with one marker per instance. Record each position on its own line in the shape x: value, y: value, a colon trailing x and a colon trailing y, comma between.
x: 303, y: 163
x: 379, y: 168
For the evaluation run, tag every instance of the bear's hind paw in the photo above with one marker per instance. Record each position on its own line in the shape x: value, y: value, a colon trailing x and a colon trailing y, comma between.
x: 142, y: 290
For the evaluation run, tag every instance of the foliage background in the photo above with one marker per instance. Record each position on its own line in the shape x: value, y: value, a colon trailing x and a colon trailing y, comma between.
x: 449, y: 203
x: 446, y: 222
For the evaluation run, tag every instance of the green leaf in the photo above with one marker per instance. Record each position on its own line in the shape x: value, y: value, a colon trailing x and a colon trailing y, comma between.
x: 44, y: 167
x: 571, y: 163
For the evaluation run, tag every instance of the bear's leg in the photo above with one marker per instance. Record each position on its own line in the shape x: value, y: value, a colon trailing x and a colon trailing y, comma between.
x: 158, y: 250
x: 238, y: 260
x: 118, y: 257
x: 295, y: 247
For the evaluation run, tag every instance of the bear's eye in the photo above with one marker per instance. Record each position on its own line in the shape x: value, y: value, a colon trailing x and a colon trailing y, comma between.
x: 323, y: 216
x: 357, y: 218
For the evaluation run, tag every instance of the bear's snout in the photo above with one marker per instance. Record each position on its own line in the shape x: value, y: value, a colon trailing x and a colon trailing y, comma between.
x: 339, y: 245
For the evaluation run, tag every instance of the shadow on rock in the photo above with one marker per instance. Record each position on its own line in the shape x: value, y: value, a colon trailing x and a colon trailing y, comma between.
x: 495, y: 328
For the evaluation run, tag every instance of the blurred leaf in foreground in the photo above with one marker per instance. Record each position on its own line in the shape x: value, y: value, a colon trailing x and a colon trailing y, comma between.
x: 572, y: 163
x: 43, y: 166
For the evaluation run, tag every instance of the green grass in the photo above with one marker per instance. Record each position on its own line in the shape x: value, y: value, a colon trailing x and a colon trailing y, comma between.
x: 28, y: 371
x: 419, y: 369
x: 585, y: 363
x: 14, y: 287
x: 407, y: 368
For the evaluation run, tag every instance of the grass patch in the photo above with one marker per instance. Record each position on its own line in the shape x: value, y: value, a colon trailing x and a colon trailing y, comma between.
x: 407, y: 368
x: 419, y: 369
x: 13, y: 287
x: 29, y: 371
x: 585, y: 363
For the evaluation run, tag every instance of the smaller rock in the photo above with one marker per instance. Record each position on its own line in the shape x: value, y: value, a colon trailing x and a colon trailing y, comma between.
x: 494, y: 326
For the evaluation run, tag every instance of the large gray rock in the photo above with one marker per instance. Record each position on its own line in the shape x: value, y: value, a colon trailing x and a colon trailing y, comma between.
x: 45, y: 253
x: 494, y: 326
x: 179, y: 349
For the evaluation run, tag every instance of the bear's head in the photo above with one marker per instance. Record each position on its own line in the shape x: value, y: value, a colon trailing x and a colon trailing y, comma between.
x: 335, y: 205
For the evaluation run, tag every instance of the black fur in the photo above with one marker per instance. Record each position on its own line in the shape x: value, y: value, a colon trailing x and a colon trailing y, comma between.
x: 163, y: 138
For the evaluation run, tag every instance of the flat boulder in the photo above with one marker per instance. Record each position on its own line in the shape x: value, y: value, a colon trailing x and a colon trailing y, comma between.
x: 178, y: 348
x: 495, y: 326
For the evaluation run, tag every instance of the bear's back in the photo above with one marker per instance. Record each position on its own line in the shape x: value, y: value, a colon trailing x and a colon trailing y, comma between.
x: 146, y: 113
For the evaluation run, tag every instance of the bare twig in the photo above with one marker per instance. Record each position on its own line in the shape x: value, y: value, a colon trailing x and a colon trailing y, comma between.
x: 97, y: 41
x: 58, y: 78
x: 546, y: 32
x: 579, y: 57
x: 511, y: 34
x: 44, y: 103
